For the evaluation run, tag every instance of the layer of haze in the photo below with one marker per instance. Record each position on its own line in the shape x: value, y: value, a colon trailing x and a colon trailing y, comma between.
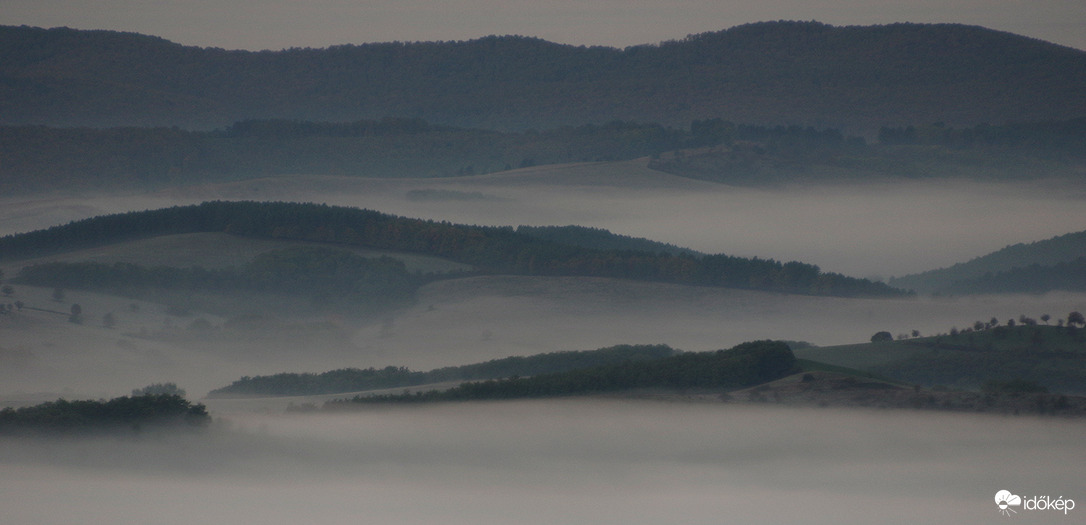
x: 278, y: 24
x: 599, y: 462
x: 544, y: 462
x: 870, y: 229
x: 887, y: 228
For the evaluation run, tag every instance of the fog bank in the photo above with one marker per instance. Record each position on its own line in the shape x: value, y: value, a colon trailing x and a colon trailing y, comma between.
x: 546, y: 462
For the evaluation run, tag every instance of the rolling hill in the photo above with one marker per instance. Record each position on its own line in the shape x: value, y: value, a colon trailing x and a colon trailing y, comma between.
x: 1050, y: 356
x: 1051, y: 264
x: 804, y: 73
x: 489, y: 250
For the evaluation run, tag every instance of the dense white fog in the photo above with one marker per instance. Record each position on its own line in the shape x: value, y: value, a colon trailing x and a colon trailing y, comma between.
x: 544, y: 462
x: 598, y: 462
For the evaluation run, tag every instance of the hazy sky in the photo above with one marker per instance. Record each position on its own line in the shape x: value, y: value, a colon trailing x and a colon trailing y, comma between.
x: 277, y: 24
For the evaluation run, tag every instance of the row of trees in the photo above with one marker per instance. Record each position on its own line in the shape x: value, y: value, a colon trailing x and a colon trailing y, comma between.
x: 1074, y: 319
x: 122, y: 413
x: 488, y: 249
x: 354, y: 379
x: 1066, y: 136
x: 744, y: 365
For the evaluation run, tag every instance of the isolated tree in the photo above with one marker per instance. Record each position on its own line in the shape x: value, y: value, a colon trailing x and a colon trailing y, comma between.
x: 916, y: 333
x: 1045, y: 318
x: 19, y: 305
x: 882, y: 337
x: 1076, y: 319
x: 978, y: 326
x: 7, y: 289
x: 58, y: 294
x: 108, y: 320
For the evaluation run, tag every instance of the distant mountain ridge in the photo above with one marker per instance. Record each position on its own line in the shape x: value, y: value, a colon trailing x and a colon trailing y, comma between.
x: 803, y: 73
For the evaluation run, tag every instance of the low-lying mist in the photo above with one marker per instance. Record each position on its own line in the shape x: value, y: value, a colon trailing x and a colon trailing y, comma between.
x: 877, y: 228
x: 456, y: 322
x: 545, y: 462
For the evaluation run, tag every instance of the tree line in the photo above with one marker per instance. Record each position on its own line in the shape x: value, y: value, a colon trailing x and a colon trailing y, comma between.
x: 355, y: 379
x: 122, y: 413
x: 490, y: 250
x: 774, y: 72
x: 744, y: 365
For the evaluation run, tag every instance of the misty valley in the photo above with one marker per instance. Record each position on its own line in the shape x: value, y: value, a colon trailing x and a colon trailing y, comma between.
x: 763, y: 275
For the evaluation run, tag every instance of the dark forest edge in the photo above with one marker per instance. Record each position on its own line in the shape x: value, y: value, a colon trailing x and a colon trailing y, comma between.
x: 355, y: 379
x: 121, y: 414
x: 490, y: 250
x: 744, y: 365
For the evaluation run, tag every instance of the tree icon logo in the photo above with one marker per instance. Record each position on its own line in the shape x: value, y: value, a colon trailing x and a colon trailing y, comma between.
x: 1006, y: 500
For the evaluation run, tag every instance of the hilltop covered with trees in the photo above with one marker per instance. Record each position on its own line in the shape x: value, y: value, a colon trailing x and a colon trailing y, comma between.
x: 119, y: 414
x: 354, y: 379
x: 490, y: 250
x: 1051, y: 264
x: 802, y: 73
x: 744, y: 365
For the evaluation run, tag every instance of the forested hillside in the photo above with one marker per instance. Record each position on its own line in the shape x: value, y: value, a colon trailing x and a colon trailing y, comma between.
x: 118, y: 414
x: 803, y: 73
x: 601, y: 239
x: 1051, y: 264
x: 354, y: 379
x: 494, y: 250
x: 744, y: 365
